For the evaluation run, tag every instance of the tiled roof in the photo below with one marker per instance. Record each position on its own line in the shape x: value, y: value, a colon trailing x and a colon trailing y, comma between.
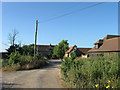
x: 70, y: 49
x: 109, y: 44
x: 99, y: 41
x: 84, y: 50
x: 110, y: 36
x: 45, y: 47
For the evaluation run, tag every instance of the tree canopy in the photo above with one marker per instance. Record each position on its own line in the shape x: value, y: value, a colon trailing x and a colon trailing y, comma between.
x: 61, y: 48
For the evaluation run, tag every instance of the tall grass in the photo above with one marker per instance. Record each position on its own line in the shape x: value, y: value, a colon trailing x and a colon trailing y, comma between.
x: 94, y: 72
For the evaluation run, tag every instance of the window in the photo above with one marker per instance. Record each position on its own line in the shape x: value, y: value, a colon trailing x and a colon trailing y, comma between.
x: 96, y: 46
x: 75, y: 48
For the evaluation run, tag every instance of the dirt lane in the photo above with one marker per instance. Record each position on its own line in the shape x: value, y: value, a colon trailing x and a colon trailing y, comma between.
x: 46, y: 77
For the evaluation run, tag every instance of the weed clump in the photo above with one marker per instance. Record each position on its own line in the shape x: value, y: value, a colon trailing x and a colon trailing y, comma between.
x: 93, y: 72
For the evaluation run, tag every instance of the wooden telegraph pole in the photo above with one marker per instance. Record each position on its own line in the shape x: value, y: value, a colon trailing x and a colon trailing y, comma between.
x: 35, y: 37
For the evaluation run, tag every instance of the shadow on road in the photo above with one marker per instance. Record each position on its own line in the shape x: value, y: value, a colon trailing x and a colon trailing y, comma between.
x: 8, y: 85
x: 52, y: 64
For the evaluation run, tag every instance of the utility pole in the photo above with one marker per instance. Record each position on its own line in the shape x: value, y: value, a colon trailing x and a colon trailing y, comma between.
x: 35, y: 37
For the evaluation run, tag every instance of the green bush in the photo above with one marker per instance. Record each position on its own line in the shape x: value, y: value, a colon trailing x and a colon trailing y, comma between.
x: 4, y: 62
x: 94, y: 72
x: 22, y: 61
x: 14, y: 67
x: 54, y: 56
x: 50, y: 53
x: 101, y: 55
x: 73, y: 55
x: 39, y: 56
x: 25, y: 59
x: 14, y: 58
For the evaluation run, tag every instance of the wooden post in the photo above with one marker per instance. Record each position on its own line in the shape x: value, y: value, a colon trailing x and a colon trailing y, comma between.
x: 35, y: 37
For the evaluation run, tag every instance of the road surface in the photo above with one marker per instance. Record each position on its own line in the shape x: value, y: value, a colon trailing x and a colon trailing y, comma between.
x: 46, y: 77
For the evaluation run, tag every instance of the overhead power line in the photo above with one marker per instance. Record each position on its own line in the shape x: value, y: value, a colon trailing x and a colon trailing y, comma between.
x: 69, y: 13
x: 65, y: 9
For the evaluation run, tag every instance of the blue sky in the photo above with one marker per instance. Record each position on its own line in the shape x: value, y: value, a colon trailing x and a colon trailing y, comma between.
x: 81, y: 28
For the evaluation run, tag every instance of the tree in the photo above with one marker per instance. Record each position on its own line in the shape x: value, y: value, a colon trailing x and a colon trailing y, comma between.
x: 61, y: 48
x: 13, y: 46
x: 12, y: 37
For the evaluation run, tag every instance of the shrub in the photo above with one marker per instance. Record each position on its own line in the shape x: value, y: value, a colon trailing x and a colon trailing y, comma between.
x: 50, y: 53
x: 54, y: 56
x: 28, y: 49
x: 101, y: 54
x: 21, y: 62
x: 73, y: 55
x: 14, y: 58
x: 14, y: 67
x: 39, y: 56
x: 94, y: 72
x: 4, y: 62
x: 25, y: 59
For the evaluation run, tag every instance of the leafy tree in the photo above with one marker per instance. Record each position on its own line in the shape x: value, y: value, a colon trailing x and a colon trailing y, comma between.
x: 61, y: 48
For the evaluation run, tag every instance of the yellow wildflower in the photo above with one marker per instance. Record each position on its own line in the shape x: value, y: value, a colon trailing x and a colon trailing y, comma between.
x: 108, y: 86
x: 96, y: 85
x: 109, y: 81
x: 112, y: 87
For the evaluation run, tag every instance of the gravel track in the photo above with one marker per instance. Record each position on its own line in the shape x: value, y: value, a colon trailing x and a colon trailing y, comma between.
x: 46, y: 77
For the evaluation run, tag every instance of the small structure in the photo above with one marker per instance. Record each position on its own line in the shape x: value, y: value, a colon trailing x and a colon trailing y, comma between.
x: 44, y: 49
x: 108, y: 46
x: 84, y: 56
x: 71, y: 49
x: 79, y: 51
x: 84, y: 50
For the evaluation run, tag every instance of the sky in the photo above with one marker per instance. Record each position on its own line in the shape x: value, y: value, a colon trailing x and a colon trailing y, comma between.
x: 81, y: 27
